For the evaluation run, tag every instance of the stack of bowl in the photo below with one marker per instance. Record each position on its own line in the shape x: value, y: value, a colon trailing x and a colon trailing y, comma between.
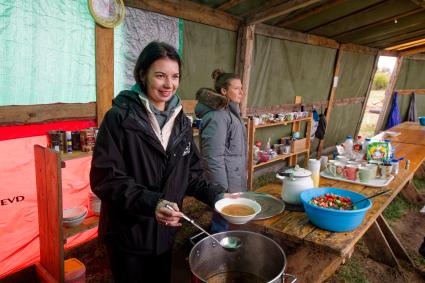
x: 74, y: 216
x: 94, y: 203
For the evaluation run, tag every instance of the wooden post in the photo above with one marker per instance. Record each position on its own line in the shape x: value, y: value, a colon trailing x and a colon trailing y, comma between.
x: 104, y: 71
x: 251, y: 134
x: 388, y: 94
x: 49, y: 201
x: 296, y: 126
x: 332, y: 95
x: 369, y: 88
x: 244, y: 60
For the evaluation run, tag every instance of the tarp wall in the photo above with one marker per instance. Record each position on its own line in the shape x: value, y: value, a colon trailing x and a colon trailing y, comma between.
x: 47, y: 52
x: 411, y: 76
x: 205, y: 48
x: 356, y: 70
x: 283, y: 69
x: 137, y: 30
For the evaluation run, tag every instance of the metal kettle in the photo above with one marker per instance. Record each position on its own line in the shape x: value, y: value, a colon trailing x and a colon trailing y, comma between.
x: 295, y: 181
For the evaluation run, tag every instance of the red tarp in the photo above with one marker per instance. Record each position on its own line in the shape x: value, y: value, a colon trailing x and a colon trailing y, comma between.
x: 19, y: 245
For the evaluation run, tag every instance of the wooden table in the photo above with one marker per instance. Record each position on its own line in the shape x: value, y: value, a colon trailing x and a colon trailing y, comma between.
x: 411, y: 133
x: 314, y: 254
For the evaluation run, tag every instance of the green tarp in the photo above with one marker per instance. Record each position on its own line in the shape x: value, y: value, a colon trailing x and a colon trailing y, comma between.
x: 205, y: 48
x: 47, y: 52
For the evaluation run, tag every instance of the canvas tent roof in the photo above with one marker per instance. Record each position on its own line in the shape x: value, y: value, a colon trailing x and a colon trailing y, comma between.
x: 375, y: 23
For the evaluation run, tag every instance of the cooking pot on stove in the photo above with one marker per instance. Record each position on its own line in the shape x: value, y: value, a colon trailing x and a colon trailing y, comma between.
x: 258, y: 259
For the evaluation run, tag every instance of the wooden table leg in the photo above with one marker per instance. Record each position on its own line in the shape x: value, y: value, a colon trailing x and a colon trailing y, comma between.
x: 411, y: 194
x: 312, y: 265
x: 378, y: 246
x: 395, y: 244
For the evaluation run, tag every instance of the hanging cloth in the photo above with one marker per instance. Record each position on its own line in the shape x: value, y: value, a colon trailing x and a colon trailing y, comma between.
x: 412, y: 114
x: 321, y: 126
x: 394, y: 117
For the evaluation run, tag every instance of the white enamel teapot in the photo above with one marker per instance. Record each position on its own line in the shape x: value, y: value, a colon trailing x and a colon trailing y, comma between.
x: 295, y: 181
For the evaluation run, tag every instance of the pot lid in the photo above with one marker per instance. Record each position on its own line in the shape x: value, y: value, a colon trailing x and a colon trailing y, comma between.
x: 298, y: 172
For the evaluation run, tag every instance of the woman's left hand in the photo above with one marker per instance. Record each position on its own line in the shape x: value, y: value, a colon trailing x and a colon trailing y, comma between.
x: 166, y: 216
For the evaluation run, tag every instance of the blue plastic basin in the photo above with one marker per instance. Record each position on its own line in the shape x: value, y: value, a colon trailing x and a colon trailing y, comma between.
x: 332, y: 219
x: 422, y: 120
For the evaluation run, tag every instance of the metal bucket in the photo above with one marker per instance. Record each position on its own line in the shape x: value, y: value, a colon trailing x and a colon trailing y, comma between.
x: 259, y: 259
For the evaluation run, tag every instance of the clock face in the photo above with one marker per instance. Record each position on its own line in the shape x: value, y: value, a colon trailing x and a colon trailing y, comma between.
x: 107, y: 13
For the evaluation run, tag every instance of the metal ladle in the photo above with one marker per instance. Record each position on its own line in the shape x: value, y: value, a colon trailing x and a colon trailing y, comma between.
x: 228, y: 243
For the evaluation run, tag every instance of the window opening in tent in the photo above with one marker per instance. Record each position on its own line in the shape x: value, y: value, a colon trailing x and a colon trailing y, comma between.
x: 377, y: 94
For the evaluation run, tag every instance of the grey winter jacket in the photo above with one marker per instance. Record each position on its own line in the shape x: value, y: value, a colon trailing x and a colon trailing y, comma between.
x: 222, y: 140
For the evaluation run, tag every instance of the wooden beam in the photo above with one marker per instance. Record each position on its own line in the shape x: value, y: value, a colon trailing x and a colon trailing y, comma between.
x: 420, y: 3
x: 230, y: 4
x: 388, y: 53
x: 412, y: 51
x: 407, y: 45
x: 104, y: 71
x: 42, y: 113
x: 388, y: 94
x: 415, y: 57
x: 398, y: 39
x: 378, y: 23
x: 189, y: 11
x: 286, y: 34
x: 411, y: 194
x: 279, y: 10
x: 282, y: 108
x: 332, y: 96
x: 312, y: 12
x: 245, y: 62
x: 369, y: 88
x: 359, y: 49
x: 410, y: 91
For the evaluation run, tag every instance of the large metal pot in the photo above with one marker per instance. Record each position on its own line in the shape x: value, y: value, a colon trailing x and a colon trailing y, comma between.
x: 259, y: 259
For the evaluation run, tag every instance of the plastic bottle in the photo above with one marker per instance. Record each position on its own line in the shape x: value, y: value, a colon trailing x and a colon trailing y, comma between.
x: 348, y: 145
x: 268, y: 144
x: 390, y: 150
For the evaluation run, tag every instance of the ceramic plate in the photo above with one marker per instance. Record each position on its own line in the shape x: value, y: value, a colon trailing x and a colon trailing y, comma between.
x: 270, y: 205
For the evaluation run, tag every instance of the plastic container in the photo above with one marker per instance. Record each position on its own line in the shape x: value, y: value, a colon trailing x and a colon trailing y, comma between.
x: 332, y: 219
x: 348, y: 145
x: 75, y: 271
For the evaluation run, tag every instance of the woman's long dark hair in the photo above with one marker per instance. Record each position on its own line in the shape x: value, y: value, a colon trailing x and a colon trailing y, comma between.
x: 153, y: 51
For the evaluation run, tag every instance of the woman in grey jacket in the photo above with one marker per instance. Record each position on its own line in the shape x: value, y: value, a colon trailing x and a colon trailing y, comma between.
x: 223, y: 133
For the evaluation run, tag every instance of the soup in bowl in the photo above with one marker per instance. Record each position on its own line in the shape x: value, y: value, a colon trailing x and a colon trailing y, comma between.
x: 237, y: 210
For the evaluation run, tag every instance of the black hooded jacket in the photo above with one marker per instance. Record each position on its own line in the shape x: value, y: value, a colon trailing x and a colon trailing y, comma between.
x: 131, y: 172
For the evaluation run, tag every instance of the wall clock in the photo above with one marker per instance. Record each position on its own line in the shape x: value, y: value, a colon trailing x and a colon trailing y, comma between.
x: 107, y: 13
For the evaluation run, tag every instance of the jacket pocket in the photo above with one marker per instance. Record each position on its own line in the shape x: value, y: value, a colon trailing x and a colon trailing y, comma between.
x: 141, y: 236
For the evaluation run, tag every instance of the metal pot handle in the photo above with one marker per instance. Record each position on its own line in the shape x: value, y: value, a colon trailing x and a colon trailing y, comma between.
x: 294, y: 278
x: 193, y: 238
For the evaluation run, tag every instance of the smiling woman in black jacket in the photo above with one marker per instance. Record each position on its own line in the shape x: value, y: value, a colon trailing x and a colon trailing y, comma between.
x: 145, y: 158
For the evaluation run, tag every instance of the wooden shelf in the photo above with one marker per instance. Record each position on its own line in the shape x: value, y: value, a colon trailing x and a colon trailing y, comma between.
x: 283, y: 123
x: 74, y: 155
x: 88, y: 223
x: 292, y: 157
x: 279, y: 157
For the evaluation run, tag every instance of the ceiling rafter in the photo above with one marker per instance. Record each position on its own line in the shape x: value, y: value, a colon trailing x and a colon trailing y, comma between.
x: 312, y: 12
x: 268, y: 4
x: 399, y: 38
x: 420, y: 3
x: 230, y: 4
x: 407, y: 45
x: 279, y: 10
x: 363, y: 10
x: 383, y: 21
x: 406, y: 40
x: 416, y: 50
